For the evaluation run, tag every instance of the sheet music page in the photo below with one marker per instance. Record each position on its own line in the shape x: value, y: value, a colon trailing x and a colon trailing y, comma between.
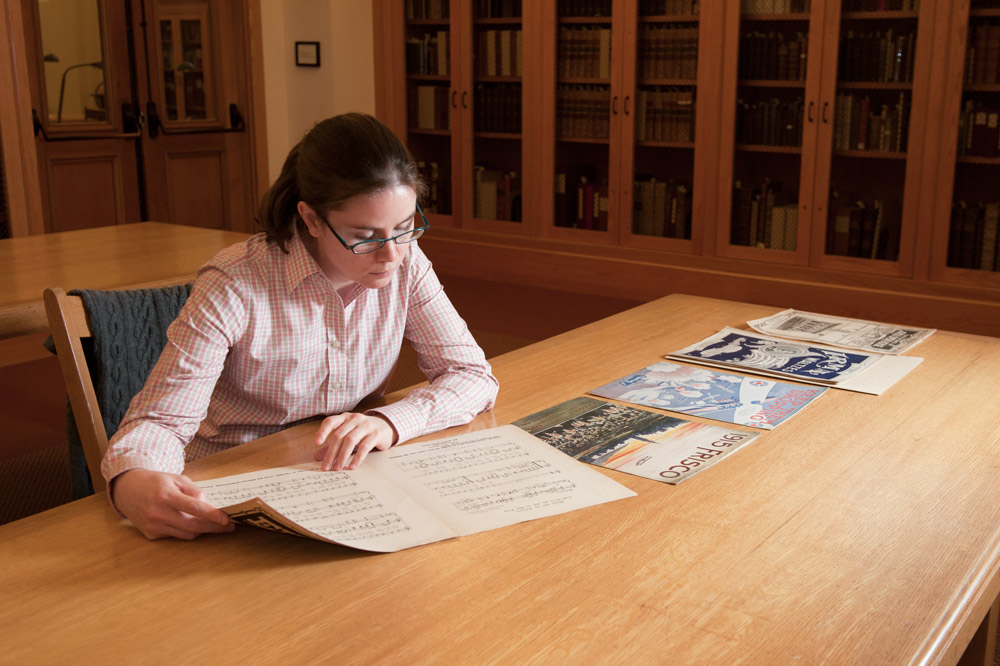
x: 494, y: 478
x: 418, y: 493
x: 355, y: 508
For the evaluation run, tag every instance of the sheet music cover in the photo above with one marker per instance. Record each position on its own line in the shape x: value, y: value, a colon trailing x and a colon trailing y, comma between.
x: 751, y: 401
x: 753, y: 352
x: 635, y: 441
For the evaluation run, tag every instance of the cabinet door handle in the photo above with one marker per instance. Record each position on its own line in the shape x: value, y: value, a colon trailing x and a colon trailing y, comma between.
x: 809, y: 116
x: 625, y: 104
x: 614, y: 105
x: 464, y: 93
x: 454, y: 102
x: 826, y: 105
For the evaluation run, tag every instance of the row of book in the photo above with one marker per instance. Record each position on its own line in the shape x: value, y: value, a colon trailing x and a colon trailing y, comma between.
x: 979, y: 130
x: 583, y: 112
x: 668, y: 52
x: 668, y: 7
x: 759, y: 219
x: 773, y: 56
x: 498, y: 194
x: 774, y: 6
x: 861, y: 124
x: 661, y: 208
x: 436, y: 200
x: 664, y: 115
x: 880, y: 5
x: 982, y: 63
x: 881, y: 56
x: 772, y: 122
x: 862, y: 229
x: 497, y: 8
x: 584, y: 52
x: 498, y: 53
x: 973, y: 236
x: 581, y: 203
x: 427, y: 9
x: 428, y: 54
x: 497, y: 108
x: 431, y: 110
x: 588, y: 8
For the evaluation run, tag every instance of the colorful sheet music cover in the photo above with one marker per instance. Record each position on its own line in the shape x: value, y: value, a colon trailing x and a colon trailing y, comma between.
x: 753, y: 352
x: 750, y: 401
x: 635, y: 441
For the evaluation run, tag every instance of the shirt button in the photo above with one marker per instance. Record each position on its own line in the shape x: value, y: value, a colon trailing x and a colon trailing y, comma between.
x: 335, y: 345
x: 336, y: 386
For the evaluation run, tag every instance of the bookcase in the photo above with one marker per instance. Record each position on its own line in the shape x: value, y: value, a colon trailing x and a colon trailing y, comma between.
x: 833, y: 155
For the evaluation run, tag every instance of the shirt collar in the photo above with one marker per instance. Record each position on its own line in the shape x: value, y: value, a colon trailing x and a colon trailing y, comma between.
x: 299, y: 264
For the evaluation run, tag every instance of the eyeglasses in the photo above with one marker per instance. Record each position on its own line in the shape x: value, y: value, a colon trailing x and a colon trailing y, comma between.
x: 375, y: 244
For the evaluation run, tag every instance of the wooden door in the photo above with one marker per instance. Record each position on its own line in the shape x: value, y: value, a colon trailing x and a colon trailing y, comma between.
x: 872, y: 112
x: 196, y: 152
x: 962, y: 224
x: 669, y: 73
x: 769, y: 115
x: 85, y: 113
x: 139, y: 108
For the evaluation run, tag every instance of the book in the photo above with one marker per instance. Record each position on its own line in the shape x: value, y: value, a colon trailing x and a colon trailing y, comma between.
x: 634, y: 441
x: 733, y: 349
x: 846, y: 332
x: 417, y: 493
x: 750, y: 401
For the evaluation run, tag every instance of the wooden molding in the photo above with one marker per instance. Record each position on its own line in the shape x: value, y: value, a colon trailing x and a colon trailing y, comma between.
x: 24, y: 194
x: 646, y: 276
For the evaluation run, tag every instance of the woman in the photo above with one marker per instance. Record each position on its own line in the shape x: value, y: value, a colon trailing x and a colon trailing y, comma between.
x: 303, y: 320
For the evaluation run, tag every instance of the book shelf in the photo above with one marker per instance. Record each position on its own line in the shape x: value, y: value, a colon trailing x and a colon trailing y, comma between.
x: 794, y: 152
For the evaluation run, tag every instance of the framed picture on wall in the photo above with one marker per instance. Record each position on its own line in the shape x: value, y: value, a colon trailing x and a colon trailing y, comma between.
x: 307, y: 54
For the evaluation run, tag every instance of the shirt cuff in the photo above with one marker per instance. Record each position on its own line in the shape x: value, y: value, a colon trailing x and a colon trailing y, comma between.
x: 407, y: 419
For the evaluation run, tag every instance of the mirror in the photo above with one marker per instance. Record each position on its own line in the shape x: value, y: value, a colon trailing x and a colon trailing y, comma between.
x: 73, y: 60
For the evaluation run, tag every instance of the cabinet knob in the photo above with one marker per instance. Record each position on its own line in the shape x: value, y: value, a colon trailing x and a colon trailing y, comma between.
x: 826, y: 105
x: 625, y: 105
x: 614, y: 105
x: 454, y: 105
x: 809, y: 115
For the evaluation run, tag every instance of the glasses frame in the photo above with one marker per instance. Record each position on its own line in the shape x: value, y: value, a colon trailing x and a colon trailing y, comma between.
x: 382, y: 241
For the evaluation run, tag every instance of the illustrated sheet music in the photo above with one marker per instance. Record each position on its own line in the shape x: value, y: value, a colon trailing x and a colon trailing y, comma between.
x: 635, y: 441
x: 753, y: 401
x: 858, y: 334
x: 418, y: 493
x: 746, y: 351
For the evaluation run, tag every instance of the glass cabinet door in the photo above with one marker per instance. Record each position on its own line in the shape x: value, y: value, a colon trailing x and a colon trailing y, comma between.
x: 583, y: 109
x: 660, y: 105
x: 496, y: 170
x: 975, y: 201
x: 431, y: 98
x: 877, y: 58
x: 770, y: 171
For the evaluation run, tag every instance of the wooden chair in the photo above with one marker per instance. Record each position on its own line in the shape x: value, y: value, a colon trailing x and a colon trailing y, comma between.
x: 69, y: 326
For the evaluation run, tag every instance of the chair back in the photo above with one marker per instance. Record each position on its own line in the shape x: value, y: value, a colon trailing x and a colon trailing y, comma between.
x: 69, y: 327
x: 128, y: 332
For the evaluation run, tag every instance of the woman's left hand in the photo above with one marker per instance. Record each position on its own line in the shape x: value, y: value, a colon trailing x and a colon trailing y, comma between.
x: 343, y: 440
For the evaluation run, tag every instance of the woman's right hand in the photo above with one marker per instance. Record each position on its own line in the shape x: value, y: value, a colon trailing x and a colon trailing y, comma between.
x: 163, y: 505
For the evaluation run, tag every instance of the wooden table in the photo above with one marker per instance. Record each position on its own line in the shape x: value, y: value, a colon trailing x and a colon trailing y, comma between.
x: 127, y: 256
x: 865, y: 530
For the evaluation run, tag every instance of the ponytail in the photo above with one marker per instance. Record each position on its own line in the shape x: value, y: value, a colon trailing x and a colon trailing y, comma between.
x: 278, y: 212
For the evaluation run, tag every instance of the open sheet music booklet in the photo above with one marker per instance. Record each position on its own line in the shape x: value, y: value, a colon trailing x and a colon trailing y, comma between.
x: 417, y: 493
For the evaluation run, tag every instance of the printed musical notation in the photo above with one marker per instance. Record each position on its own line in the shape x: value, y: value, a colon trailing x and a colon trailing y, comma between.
x: 418, y: 493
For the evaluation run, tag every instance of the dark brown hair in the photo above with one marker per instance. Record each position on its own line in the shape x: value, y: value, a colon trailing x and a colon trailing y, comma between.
x: 339, y: 158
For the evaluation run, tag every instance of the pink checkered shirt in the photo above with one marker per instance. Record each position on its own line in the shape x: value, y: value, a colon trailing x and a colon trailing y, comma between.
x: 265, y: 341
